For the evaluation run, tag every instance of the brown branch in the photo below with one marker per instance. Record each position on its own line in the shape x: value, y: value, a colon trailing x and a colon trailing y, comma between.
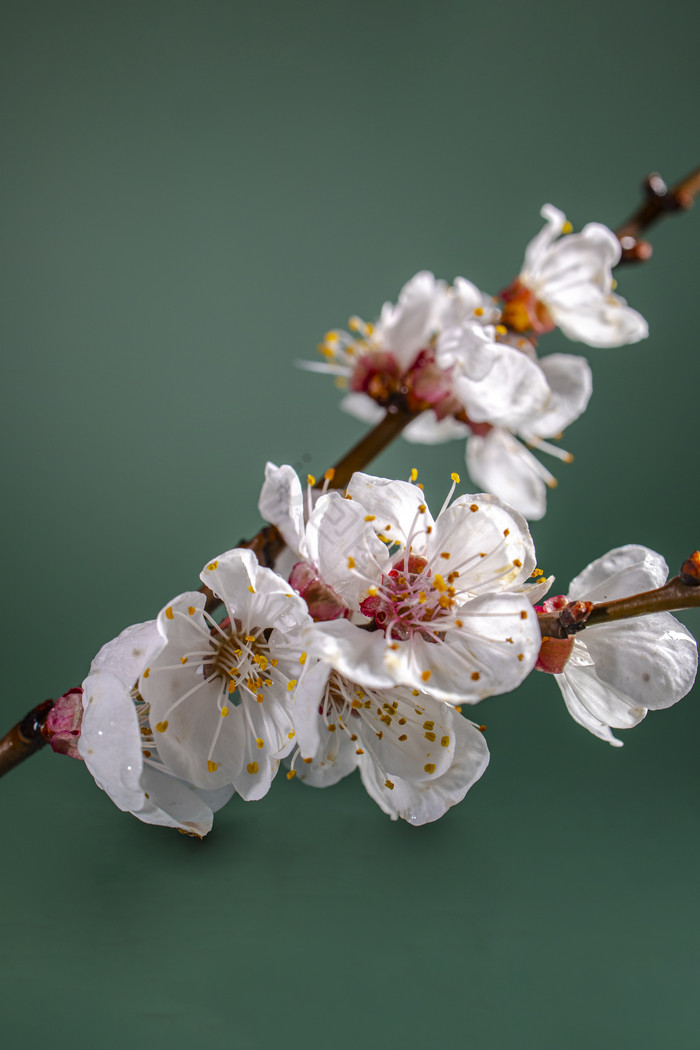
x: 397, y: 418
x: 658, y: 202
x: 268, y: 544
x: 681, y: 592
x: 24, y: 738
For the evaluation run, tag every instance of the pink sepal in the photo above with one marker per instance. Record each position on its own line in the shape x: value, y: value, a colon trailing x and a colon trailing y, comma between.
x: 554, y: 652
x: 62, y: 726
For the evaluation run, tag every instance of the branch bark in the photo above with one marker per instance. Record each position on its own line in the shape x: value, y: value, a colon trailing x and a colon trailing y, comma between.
x: 681, y: 592
x: 25, y: 738
x: 658, y: 202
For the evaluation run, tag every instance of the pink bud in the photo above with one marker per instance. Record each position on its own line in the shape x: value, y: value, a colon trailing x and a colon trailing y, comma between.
x: 322, y: 601
x: 554, y: 652
x: 62, y: 726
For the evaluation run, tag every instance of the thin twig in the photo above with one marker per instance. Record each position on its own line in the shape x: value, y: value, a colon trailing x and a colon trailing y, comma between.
x: 24, y: 738
x: 681, y: 592
x: 658, y: 201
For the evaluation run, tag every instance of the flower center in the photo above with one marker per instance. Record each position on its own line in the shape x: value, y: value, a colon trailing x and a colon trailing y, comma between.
x: 240, y: 660
x: 523, y: 311
x: 410, y: 600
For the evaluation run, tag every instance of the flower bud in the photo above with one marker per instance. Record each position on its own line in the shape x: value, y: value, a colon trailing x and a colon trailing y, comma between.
x: 62, y: 726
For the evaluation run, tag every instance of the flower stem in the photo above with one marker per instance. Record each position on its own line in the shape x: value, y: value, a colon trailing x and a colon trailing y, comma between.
x: 681, y: 592
x: 659, y: 201
x: 380, y: 437
x: 24, y: 738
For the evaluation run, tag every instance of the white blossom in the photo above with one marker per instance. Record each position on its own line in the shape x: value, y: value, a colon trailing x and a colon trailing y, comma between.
x: 567, y: 281
x: 496, y: 453
x: 117, y: 740
x: 416, y: 755
x: 219, y: 694
x: 618, y: 671
x: 398, y: 354
x: 443, y: 597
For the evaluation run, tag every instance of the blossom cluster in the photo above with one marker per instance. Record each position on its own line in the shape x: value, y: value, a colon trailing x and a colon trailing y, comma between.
x: 366, y: 632
x: 360, y: 650
x: 468, y: 361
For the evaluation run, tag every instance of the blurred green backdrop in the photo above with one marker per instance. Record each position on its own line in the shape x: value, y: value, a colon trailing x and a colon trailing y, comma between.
x: 193, y: 192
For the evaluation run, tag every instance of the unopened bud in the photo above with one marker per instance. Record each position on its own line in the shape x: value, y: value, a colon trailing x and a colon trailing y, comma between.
x: 62, y: 726
x: 690, y: 570
x: 574, y: 616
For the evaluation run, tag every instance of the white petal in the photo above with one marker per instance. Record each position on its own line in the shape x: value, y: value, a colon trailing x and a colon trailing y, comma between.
x: 573, y: 691
x: 188, y: 710
x: 257, y: 596
x: 282, y: 503
x: 606, y: 321
x: 308, y: 696
x: 363, y: 407
x: 500, y: 464
x: 185, y: 709
x: 334, y: 758
x: 623, y: 571
x: 420, y: 801
x: 540, y: 244
x: 405, y: 329
x: 492, y: 653
x: 571, y: 384
x: 465, y: 302
x: 534, y: 592
x: 126, y: 655
x: 357, y: 654
x: 486, y: 541
x: 268, y: 736
x: 395, y: 506
x: 470, y: 349
x: 110, y: 740
x: 651, y: 659
x: 577, y: 268
x: 427, y: 430
x: 413, y: 740
x: 336, y: 526
x: 514, y: 390
x: 172, y: 803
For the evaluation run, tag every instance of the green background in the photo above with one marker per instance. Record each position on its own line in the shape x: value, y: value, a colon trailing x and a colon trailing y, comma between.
x: 192, y: 194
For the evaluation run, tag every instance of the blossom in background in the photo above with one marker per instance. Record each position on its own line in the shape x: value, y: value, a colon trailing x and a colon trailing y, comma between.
x: 219, y: 694
x: 398, y: 356
x: 118, y: 746
x: 468, y: 363
x: 436, y: 605
x: 416, y: 755
x: 566, y: 282
x: 610, y: 675
x: 496, y: 454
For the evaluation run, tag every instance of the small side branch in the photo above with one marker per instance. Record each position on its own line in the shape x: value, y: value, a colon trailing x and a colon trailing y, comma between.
x: 658, y: 201
x: 681, y: 592
x: 24, y: 738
